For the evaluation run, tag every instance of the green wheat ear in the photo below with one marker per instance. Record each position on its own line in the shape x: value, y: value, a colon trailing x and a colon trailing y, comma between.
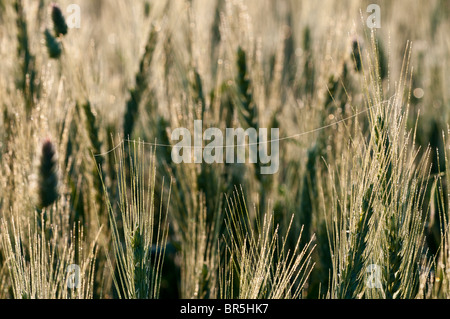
x: 289, y: 61
x: 59, y: 22
x: 53, y: 45
x: 351, y: 281
x: 163, y: 153
x: 27, y: 80
x: 96, y: 144
x: 197, y: 91
x: 383, y: 62
x: 48, y: 177
x: 141, y: 84
x: 309, y: 68
x: 93, y: 129
x: 140, y: 272
x: 249, y: 117
x: 248, y: 109
x: 138, y: 231
x: 356, y: 54
x: 147, y: 8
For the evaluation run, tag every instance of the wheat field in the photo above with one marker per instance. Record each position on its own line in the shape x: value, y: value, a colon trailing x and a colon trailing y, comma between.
x: 93, y: 204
